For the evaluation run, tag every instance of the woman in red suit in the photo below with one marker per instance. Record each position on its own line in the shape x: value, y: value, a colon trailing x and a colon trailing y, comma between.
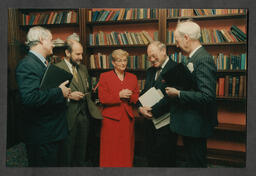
x: 118, y: 90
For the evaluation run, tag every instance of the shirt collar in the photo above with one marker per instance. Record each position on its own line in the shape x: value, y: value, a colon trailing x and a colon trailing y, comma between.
x: 193, y: 52
x: 165, y: 62
x: 41, y: 58
x: 69, y: 65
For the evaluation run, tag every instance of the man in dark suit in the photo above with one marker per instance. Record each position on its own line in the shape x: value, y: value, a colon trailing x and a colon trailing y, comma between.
x: 44, y: 122
x: 158, y: 141
x: 193, y: 112
x: 81, y: 109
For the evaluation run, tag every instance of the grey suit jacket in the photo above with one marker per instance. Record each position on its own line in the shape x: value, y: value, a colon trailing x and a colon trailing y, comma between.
x: 74, y: 107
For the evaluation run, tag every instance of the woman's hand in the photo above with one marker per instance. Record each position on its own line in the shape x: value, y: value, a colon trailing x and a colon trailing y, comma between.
x: 125, y: 93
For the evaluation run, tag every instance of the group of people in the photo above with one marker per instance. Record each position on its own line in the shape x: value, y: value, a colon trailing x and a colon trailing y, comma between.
x: 57, y: 121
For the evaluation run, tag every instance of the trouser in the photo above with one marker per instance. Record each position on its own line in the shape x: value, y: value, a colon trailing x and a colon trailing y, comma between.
x: 75, y: 145
x: 195, y: 151
x: 161, y: 146
x: 44, y: 155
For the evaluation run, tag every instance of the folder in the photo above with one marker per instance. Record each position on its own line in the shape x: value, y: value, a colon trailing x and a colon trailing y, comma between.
x: 54, y: 76
x: 179, y: 77
x: 150, y: 98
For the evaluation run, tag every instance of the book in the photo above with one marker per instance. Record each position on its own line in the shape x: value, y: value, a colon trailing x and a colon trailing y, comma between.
x: 226, y: 85
x: 221, y: 86
x: 54, y: 76
x: 149, y: 99
x: 179, y: 77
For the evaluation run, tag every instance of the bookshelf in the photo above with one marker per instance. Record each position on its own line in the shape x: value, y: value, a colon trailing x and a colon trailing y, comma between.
x: 223, y: 148
x: 61, y: 22
x: 219, y: 40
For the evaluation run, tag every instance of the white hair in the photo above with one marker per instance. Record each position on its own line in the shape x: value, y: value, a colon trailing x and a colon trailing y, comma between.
x: 73, y: 36
x: 189, y: 28
x: 158, y: 44
x: 35, y: 34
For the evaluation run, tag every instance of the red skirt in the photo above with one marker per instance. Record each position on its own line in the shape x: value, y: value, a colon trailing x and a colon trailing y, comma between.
x: 117, y: 142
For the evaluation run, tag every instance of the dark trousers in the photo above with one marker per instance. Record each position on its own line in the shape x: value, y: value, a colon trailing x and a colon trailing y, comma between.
x: 160, y: 145
x: 44, y: 155
x: 161, y: 148
x: 75, y: 145
x: 195, y: 151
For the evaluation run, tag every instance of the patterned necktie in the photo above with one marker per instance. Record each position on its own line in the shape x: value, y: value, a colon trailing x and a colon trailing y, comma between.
x: 158, y: 73
x: 75, y: 73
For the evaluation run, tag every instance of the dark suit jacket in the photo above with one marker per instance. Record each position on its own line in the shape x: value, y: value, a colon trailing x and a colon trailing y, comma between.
x: 194, y: 113
x: 74, y: 107
x: 163, y: 105
x: 44, y: 110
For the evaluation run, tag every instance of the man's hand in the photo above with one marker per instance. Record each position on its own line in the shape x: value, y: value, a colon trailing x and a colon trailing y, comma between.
x: 146, y: 112
x: 172, y: 92
x: 76, y: 95
x: 65, y: 91
x: 125, y: 93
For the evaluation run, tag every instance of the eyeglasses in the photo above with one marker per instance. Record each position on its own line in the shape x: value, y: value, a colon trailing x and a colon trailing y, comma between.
x: 150, y: 57
x: 119, y: 60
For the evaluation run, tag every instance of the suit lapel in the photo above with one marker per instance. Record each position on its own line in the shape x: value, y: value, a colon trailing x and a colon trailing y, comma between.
x: 83, y: 77
x: 64, y: 66
x: 195, y: 55
x: 34, y: 57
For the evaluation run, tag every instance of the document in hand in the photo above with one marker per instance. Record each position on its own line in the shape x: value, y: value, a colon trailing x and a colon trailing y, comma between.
x: 54, y: 76
x: 149, y: 99
x: 179, y: 77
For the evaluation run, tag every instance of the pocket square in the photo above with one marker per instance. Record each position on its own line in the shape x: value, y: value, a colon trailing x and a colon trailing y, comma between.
x: 190, y: 67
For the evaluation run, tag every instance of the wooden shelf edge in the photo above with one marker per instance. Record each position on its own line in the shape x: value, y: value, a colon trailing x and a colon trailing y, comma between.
x: 216, y: 44
x: 49, y: 25
x: 122, y: 22
x: 230, y: 98
x: 207, y: 17
x: 116, y: 46
x: 231, y: 127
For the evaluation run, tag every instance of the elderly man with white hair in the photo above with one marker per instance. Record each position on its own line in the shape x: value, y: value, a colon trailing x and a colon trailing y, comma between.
x: 44, y: 121
x: 193, y: 112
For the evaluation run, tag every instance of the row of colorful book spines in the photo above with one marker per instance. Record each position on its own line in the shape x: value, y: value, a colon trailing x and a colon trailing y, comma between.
x: 203, y: 12
x: 231, y: 62
x: 212, y: 36
x: 104, y: 62
x: 223, y: 62
x: 50, y: 18
x: 178, y: 57
x: 123, y: 14
x: 234, y: 86
x: 116, y: 38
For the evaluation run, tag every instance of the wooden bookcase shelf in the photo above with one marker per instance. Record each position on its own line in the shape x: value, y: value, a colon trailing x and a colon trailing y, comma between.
x: 207, y: 17
x: 115, y: 46
x: 138, y: 21
x: 230, y: 98
x: 217, y: 44
x: 26, y: 27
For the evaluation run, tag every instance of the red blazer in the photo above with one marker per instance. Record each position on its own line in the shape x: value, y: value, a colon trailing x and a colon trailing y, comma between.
x: 109, y: 87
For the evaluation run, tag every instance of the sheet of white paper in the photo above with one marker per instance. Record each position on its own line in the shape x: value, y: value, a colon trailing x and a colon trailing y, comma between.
x: 151, y: 97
